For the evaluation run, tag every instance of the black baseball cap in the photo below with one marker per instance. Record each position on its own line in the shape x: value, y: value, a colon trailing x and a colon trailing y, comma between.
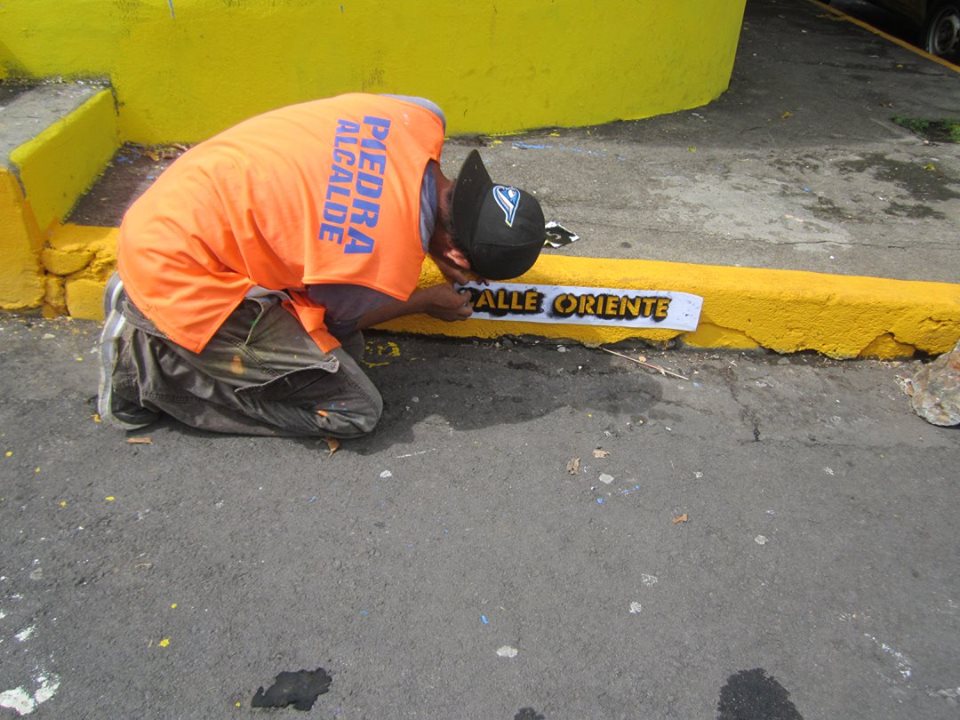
x: 500, y: 228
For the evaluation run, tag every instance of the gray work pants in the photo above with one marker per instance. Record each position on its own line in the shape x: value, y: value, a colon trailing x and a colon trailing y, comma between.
x: 261, y: 374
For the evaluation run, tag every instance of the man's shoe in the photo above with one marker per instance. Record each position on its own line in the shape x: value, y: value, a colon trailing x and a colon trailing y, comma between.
x: 115, y: 410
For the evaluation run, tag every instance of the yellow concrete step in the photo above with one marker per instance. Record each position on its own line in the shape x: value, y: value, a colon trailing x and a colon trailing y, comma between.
x: 55, y: 140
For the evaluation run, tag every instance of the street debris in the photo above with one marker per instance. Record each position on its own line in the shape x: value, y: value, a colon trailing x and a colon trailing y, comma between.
x: 648, y: 580
x: 635, y: 608
x: 386, y: 475
x: 935, y: 390
x: 605, y: 478
x: 573, y: 467
x: 332, y: 445
x: 158, y: 153
x: 761, y: 539
x: 641, y: 360
x: 558, y: 235
x: 507, y: 651
x: 142, y: 440
x: 678, y: 519
x: 601, y: 453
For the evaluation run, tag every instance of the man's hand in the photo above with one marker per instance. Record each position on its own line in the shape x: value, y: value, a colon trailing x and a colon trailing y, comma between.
x: 443, y: 302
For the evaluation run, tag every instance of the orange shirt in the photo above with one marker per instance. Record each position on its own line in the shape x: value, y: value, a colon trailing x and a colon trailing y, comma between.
x: 322, y: 192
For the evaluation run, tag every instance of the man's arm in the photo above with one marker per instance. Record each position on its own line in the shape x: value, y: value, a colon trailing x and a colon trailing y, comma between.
x: 439, y: 301
x: 352, y: 307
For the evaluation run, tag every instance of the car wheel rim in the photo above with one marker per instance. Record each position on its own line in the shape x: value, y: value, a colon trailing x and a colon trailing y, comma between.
x: 945, y: 32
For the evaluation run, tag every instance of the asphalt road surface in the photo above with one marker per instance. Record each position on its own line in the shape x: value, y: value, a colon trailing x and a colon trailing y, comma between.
x: 536, y: 530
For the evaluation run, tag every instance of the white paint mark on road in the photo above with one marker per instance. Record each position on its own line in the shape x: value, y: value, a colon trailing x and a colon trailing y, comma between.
x: 904, y: 666
x: 49, y: 684
x: 507, y: 651
x: 413, y: 454
x: 18, y: 700
x: 951, y: 695
x: 22, y: 702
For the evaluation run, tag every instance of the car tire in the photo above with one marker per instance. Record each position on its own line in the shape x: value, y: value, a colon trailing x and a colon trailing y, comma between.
x: 941, y: 30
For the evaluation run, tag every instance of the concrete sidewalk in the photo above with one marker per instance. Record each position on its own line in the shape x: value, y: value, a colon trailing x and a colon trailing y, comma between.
x: 797, y: 166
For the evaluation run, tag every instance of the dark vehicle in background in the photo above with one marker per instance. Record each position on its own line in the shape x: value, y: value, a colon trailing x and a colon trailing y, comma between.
x: 938, y: 20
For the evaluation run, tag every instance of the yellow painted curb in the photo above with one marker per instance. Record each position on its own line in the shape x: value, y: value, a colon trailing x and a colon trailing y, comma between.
x: 743, y: 308
x: 747, y: 308
x: 78, y: 262
x: 43, y: 180
x: 21, y: 284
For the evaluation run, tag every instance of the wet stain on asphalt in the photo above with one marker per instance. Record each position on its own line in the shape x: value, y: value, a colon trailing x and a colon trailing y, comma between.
x: 921, y: 183
x: 299, y: 689
x: 528, y: 714
x: 751, y: 695
x: 918, y: 212
x: 472, y: 391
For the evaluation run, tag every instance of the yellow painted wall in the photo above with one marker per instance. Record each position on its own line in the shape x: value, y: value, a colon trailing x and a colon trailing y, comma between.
x: 184, y: 69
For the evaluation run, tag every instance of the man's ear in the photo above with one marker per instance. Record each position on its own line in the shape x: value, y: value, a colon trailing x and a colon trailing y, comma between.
x: 456, y: 256
x: 453, y: 264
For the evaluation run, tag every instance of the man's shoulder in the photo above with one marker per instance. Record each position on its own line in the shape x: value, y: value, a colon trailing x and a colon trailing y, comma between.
x: 424, y: 103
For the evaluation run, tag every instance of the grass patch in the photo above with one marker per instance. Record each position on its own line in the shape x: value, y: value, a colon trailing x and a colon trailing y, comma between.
x: 933, y: 130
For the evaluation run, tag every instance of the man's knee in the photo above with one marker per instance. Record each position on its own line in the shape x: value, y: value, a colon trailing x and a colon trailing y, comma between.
x: 355, y: 420
x: 367, y: 421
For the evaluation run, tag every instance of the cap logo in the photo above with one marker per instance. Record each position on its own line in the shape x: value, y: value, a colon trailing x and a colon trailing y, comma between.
x: 508, y: 198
